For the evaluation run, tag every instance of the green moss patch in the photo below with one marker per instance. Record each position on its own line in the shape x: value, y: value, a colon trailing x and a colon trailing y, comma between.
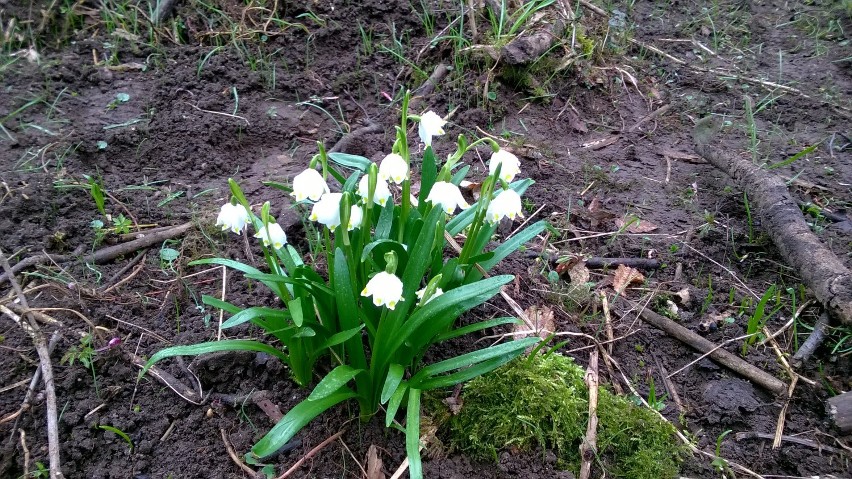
x: 543, y: 402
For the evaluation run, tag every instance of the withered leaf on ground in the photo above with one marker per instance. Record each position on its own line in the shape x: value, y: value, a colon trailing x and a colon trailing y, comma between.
x: 638, y: 226
x: 374, y: 464
x: 624, y: 276
x: 543, y: 320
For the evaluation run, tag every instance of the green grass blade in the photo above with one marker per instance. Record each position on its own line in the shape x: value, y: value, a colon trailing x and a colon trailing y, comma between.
x: 463, y: 219
x: 394, y: 403
x: 473, y: 358
x: 392, y: 381
x: 254, y: 313
x: 471, y: 328
x: 350, y: 161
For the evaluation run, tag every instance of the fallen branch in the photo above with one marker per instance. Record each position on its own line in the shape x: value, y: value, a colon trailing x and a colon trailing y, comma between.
x: 428, y: 86
x: 795, y: 440
x: 721, y: 356
x: 102, y: 255
x: 589, y: 446
x: 840, y: 411
x: 821, y: 271
x: 813, y: 342
x: 46, y: 368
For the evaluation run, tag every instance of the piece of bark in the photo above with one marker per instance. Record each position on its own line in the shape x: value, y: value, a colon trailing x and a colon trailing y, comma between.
x: 821, y: 271
x: 840, y: 411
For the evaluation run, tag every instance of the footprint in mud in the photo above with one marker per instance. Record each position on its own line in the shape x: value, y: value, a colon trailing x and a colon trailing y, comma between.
x: 734, y: 401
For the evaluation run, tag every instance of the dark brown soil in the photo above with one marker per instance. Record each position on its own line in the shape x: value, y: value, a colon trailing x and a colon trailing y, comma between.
x: 183, y: 133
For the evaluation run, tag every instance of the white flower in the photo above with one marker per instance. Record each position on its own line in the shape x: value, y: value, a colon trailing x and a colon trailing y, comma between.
x: 393, y: 167
x: 448, y: 196
x: 420, y: 293
x: 385, y: 288
x: 309, y: 184
x: 272, y: 234
x: 505, y: 205
x: 356, y: 217
x: 511, y: 165
x: 232, y: 217
x: 380, y: 196
x: 327, y: 210
x: 430, y: 125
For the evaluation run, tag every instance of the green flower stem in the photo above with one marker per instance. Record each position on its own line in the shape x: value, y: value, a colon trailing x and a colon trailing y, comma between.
x: 447, y: 170
x: 404, y: 152
x: 324, y: 159
x: 475, y: 227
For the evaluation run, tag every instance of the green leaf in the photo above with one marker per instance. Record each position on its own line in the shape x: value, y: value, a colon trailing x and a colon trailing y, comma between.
x: 470, y: 365
x: 242, y: 267
x: 347, y: 311
x: 412, y: 435
x: 459, y: 175
x: 440, y: 312
x: 385, y: 224
x: 350, y: 161
x: 251, y: 314
x: 295, y: 308
x: 218, y: 303
x: 793, y: 158
x: 169, y: 254
x: 392, y: 381
x: 304, y: 332
x: 213, y: 347
x: 395, y: 401
x: 341, y: 337
x: 294, y: 421
x: 470, y: 328
x: 333, y: 381
x: 428, y: 175
x: 513, y: 244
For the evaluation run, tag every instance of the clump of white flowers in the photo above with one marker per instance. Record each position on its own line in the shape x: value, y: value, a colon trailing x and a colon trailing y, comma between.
x: 232, y: 217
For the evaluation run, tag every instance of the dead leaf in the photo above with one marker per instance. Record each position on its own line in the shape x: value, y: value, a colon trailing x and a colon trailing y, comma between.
x: 541, y: 318
x: 470, y: 191
x: 683, y: 297
x: 601, y: 142
x: 374, y: 464
x: 455, y: 404
x: 638, y: 226
x: 576, y: 123
x: 579, y: 274
x: 624, y: 276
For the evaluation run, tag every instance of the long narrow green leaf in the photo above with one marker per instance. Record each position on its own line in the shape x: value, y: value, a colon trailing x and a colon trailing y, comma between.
x: 428, y: 175
x: 333, y: 381
x: 412, y: 435
x: 341, y: 337
x: 459, y: 175
x: 471, y: 358
x: 294, y: 421
x: 470, y: 328
x: 347, y: 312
x: 213, y: 347
x: 394, y: 403
x: 242, y: 267
x: 296, y: 311
x: 257, y: 312
x: 350, y: 161
x: 512, y: 245
x: 218, y: 303
x: 467, y: 374
x: 440, y: 312
x: 385, y: 223
x: 392, y: 381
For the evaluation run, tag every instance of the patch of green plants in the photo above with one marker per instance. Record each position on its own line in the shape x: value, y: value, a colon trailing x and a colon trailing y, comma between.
x: 387, y: 292
x: 542, y: 402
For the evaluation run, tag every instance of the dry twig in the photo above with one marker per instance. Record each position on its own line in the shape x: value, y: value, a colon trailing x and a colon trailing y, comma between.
x: 311, y: 454
x: 588, y: 448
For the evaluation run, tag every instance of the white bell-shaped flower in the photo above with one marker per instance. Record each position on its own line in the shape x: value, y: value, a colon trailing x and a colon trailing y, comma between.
x: 385, y: 288
x: 272, y: 234
x: 380, y: 196
x: 421, y: 292
x: 393, y: 168
x: 507, y: 204
x: 356, y: 217
x: 448, y: 196
x: 232, y: 217
x: 430, y: 125
x: 511, y: 165
x: 310, y: 185
x: 327, y: 210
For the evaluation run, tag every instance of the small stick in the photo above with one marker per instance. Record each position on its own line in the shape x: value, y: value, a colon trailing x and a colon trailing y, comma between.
x: 114, y: 281
x: 669, y: 384
x: 721, y: 356
x: 782, y: 416
x: 649, y: 117
x: 588, y: 448
x: 519, y: 228
x: 311, y: 454
x: 47, y: 375
x: 233, y: 454
x: 814, y: 340
x: 102, y: 255
x: 616, y: 385
x: 26, y: 453
x: 428, y: 86
x: 168, y: 380
x: 346, y: 140
x: 795, y: 440
x: 607, y: 322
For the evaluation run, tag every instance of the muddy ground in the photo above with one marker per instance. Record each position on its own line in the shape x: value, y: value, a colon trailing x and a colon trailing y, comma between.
x: 200, y: 107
